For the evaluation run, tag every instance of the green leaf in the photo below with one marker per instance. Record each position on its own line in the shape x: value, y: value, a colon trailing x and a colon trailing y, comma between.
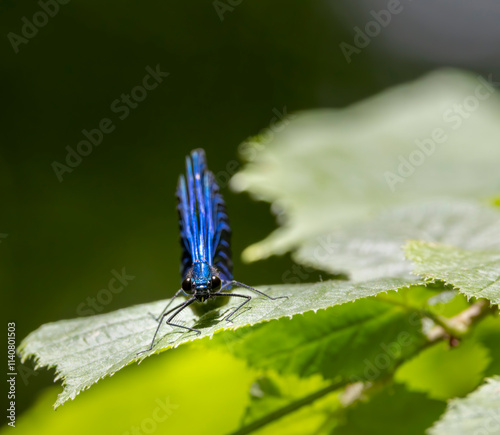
x: 474, y: 273
x: 416, y: 297
x: 443, y: 372
x: 84, y: 350
x: 359, y: 341
x: 296, y: 399
x: 392, y: 411
x: 372, y: 249
x: 324, y: 169
x: 478, y: 413
x: 272, y: 391
x: 448, y: 303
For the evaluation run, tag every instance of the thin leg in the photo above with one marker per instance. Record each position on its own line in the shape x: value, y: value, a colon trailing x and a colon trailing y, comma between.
x: 238, y: 307
x: 168, y: 305
x: 184, y: 305
x: 240, y: 284
x: 166, y: 313
x: 177, y: 310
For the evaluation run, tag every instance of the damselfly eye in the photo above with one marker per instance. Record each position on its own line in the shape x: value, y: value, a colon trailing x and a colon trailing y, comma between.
x: 216, y: 282
x: 187, y: 285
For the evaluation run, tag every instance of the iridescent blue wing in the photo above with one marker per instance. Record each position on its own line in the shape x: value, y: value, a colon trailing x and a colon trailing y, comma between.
x: 203, y: 221
x: 219, y: 231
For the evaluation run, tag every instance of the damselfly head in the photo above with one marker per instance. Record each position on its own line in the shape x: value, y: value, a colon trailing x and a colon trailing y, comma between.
x: 201, y: 280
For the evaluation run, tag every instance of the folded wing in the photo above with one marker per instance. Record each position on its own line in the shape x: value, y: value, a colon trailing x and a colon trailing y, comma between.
x: 203, y: 221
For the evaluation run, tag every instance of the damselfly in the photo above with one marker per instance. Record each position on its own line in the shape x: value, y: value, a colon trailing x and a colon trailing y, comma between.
x: 206, y: 266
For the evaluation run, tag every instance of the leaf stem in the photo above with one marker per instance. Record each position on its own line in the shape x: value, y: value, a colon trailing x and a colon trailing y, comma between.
x: 441, y: 322
x: 445, y: 324
x: 288, y: 409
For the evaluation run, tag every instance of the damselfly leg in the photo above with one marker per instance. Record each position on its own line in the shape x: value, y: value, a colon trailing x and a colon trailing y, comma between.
x: 172, y: 299
x: 177, y: 310
x: 248, y: 298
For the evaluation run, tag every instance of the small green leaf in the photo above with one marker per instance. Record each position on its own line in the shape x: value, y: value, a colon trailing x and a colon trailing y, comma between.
x: 392, y: 411
x: 324, y: 169
x: 372, y: 249
x: 478, y: 413
x: 272, y: 393
x: 474, y: 273
x: 443, y: 372
x: 448, y: 303
x: 417, y: 297
x: 87, y: 349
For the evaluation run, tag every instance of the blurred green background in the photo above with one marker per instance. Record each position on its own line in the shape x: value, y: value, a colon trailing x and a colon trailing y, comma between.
x: 227, y: 78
